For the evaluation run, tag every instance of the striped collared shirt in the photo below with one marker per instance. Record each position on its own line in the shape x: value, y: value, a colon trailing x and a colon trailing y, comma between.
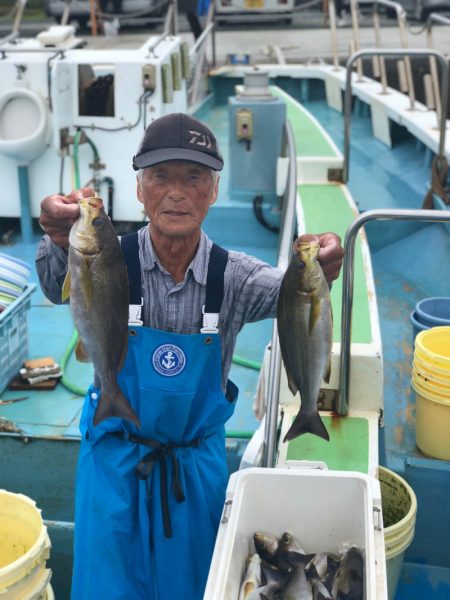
x: 251, y: 290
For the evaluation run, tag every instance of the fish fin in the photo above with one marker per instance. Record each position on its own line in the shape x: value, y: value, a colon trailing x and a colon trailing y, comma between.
x: 115, y: 405
x: 307, y: 424
x: 81, y: 352
x: 86, y: 281
x: 314, y: 313
x: 65, y: 292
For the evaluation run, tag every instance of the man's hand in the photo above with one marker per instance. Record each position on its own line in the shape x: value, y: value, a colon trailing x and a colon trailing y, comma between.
x: 331, y: 252
x: 59, y: 213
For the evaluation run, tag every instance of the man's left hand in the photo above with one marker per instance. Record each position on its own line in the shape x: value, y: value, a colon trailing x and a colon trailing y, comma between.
x: 331, y: 252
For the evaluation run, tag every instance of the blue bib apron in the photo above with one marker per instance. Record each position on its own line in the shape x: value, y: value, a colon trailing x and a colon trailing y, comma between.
x: 148, y: 501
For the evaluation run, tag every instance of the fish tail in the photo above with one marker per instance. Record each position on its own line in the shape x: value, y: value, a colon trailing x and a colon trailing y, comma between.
x: 307, y: 424
x: 115, y: 405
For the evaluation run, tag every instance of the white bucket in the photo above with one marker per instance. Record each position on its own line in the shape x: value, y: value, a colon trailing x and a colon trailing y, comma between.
x: 399, y: 506
x: 24, y: 549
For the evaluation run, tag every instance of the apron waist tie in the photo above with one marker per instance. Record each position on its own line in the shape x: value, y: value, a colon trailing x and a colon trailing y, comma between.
x: 160, y: 451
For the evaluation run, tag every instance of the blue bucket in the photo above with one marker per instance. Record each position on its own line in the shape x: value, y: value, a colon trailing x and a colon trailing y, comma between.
x: 434, y: 312
x: 417, y: 325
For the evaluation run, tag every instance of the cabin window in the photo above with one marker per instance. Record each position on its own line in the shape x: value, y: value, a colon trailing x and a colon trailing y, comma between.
x: 95, y: 90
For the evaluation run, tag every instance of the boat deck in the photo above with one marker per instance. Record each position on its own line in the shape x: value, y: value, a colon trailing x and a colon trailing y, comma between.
x: 405, y: 271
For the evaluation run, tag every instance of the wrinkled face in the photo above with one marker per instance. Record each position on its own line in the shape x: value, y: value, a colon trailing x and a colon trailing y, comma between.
x: 176, y: 196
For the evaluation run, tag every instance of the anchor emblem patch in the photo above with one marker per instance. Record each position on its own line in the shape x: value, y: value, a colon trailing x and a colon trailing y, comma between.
x: 168, y: 360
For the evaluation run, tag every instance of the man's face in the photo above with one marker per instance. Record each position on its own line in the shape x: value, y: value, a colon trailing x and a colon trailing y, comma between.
x: 176, y: 196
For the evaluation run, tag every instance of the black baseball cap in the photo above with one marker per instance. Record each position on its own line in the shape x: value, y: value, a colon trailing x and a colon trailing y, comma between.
x: 178, y: 136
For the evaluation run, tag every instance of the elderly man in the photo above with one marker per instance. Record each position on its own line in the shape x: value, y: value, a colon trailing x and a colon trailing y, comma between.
x: 151, y: 537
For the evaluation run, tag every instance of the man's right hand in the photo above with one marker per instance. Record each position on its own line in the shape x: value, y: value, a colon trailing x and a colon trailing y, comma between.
x: 59, y: 213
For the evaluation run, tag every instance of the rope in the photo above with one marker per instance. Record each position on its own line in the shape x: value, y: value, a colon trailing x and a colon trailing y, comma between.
x: 439, y: 173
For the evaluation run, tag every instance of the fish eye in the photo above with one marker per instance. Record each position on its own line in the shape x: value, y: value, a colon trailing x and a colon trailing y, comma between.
x: 97, y: 222
x: 301, y: 264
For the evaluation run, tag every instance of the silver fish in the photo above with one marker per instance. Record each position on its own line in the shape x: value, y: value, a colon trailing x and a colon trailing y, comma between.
x: 348, y: 582
x: 252, y: 577
x: 266, y: 545
x: 324, y: 564
x: 97, y: 284
x: 320, y: 591
x: 298, y: 587
x: 265, y: 592
x: 289, y: 544
x: 305, y: 327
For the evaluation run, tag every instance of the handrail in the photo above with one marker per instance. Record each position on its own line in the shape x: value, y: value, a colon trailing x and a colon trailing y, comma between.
x: 168, y: 20
x: 284, y: 256
x: 200, y: 40
x: 8, y: 38
x: 435, y: 18
x: 401, y: 20
x: 200, y: 50
x: 162, y: 36
x: 392, y: 53
x: 21, y: 4
x: 174, y: 7
x: 348, y: 277
x: 332, y: 20
x: 19, y: 8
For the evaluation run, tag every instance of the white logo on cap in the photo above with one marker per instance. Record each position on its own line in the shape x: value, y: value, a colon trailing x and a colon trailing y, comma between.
x: 200, y: 139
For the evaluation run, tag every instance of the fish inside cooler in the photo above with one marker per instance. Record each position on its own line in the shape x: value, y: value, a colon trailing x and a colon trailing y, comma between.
x: 324, y: 511
x: 280, y: 569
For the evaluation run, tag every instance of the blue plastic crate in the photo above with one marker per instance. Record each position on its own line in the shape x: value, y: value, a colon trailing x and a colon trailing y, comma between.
x: 14, y: 336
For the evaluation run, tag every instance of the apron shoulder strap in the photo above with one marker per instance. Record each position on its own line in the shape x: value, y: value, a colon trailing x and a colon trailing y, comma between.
x: 214, y: 282
x: 214, y: 289
x: 130, y: 250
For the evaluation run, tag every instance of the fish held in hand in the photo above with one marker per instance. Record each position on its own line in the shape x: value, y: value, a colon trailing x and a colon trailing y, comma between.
x: 305, y: 327
x: 97, y: 284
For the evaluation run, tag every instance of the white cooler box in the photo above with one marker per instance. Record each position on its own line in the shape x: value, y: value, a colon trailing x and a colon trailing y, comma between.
x: 321, y: 509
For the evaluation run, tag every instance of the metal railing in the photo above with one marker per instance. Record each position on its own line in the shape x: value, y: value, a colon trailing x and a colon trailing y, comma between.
x: 402, y: 29
x: 441, y: 20
x: 392, y: 53
x: 378, y: 64
x: 348, y: 278
x: 284, y: 257
x: 19, y: 10
x: 197, y: 56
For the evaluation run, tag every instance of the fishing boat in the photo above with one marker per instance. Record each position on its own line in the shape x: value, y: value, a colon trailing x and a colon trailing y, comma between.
x: 297, y: 159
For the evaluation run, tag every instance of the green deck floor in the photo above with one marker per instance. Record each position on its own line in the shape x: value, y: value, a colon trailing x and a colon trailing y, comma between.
x: 347, y: 450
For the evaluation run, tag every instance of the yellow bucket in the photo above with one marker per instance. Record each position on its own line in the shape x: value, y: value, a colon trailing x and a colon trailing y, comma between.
x: 441, y: 376
x: 433, y: 346
x: 426, y: 380
x: 432, y: 421
x: 431, y: 382
x: 399, y: 505
x: 24, y: 549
